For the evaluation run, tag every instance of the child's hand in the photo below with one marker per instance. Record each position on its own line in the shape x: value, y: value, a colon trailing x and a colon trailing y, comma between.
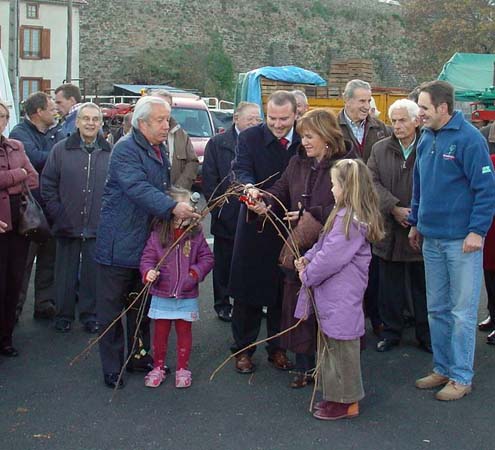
x: 300, y: 273
x: 300, y: 264
x: 152, y: 275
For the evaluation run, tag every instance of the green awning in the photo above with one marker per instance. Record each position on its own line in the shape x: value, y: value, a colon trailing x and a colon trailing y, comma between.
x: 470, y: 74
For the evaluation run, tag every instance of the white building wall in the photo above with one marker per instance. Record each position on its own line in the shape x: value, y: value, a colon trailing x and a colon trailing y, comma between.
x: 53, y: 17
x: 4, y: 29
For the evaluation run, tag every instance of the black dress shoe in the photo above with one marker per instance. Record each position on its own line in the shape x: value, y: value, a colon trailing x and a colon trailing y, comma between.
x: 63, y: 325
x: 112, y: 380
x: 48, y: 312
x: 225, y: 315
x: 490, y: 339
x: 385, y: 345
x: 426, y: 346
x: 91, y: 326
x: 486, y: 324
x: 9, y: 351
x: 141, y: 364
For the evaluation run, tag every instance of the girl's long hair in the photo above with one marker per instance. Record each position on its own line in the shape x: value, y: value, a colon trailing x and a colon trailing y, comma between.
x: 358, y: 197
x: 165, y: 227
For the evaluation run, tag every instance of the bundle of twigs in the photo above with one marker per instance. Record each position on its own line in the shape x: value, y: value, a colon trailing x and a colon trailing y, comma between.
x: 235, y: 192
x: 284, y: 231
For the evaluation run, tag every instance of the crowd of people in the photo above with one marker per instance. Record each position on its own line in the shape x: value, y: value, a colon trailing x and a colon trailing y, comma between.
x: 365, y: 220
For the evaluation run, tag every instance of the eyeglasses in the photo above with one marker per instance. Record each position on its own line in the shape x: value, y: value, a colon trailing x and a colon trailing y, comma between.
x: 4, y: 116
x: 90, y: 119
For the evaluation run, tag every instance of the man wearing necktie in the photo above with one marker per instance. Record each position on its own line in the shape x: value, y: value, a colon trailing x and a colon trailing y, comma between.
x: 263, y: 152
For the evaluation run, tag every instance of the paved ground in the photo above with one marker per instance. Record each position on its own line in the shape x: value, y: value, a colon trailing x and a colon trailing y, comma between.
x: 46, y: 404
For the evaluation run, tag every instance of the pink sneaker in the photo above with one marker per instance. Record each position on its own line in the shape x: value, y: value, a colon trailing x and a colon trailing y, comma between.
x: 183, y: 378
x: 154, y: 378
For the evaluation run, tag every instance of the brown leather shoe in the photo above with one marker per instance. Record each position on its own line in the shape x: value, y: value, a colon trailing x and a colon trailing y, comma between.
x: 300, y: 380
x: 243, y: 364
x: 279, y: 360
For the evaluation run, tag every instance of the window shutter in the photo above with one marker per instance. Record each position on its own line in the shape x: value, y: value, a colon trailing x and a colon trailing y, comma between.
x: 21, y: 42
x: 46, y: 85
x: 45, y: 43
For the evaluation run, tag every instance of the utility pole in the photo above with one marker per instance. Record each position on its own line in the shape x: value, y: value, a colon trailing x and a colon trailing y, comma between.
x: 14, y: 51
x: 68, y: 73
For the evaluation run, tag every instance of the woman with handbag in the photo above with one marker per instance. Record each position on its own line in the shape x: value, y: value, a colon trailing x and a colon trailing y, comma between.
x: 15, y: 172
x: 305, y: 191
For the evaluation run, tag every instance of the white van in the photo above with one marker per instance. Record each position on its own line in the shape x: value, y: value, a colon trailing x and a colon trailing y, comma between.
x: 6, y: 95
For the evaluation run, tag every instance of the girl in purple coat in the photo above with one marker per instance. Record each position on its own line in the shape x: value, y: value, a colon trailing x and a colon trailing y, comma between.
x: 174, y: 290
x: 336, y: 270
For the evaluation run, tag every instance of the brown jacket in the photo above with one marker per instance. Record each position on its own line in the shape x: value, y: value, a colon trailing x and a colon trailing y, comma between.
x: 489, y: 133
x: 393, y: 177
x: 375, y: 130
x: 184, y: 161
x: 12, y: 159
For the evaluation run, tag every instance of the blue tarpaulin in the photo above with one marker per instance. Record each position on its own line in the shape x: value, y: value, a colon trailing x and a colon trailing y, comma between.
x: 249, y: 84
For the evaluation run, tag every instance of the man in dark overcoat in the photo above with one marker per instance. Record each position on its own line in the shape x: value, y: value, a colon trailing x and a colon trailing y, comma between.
x: 263, y: 153
x: 217, y: 165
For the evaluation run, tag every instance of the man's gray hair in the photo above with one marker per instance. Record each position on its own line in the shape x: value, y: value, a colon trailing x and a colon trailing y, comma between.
x: 297, y: 93
x: 142, y: 110
x: 411, y: 107
x: 88, y: 105
x: 242, y: 106
x: 161, y: 93
x: 352, y: 85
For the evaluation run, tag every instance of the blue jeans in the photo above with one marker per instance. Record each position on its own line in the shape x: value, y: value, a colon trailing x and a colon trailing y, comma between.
x: 453, y: 284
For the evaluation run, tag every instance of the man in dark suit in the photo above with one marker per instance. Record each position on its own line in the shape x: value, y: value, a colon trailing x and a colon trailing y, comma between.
x: 263, y: 153
x: 219, y: 153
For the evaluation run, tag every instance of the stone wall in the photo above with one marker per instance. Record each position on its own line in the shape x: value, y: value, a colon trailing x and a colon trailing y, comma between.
x: 255, y: 33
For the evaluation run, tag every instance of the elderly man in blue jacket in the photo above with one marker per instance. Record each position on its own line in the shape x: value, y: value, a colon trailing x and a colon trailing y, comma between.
x: 452, y: 209
x: 135, y: 192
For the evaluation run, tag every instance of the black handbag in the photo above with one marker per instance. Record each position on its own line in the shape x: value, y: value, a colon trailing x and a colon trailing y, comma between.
x: 32, y: 220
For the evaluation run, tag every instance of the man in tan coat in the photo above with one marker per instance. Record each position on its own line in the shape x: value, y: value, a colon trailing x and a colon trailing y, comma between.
x: 183, y: 159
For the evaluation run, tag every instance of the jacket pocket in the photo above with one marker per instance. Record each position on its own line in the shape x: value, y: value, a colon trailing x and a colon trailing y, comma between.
x: 189, y: 284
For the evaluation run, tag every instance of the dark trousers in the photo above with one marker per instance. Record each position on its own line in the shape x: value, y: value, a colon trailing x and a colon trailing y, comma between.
x: 397, y: 281
x: 13, y: 254
x: 246, y: 325
x: 114, y: 285
x: 222, y: 250
x: 371, y: 294
x: 44, y: 278
x: 490, y: 291
x: 75, y: 261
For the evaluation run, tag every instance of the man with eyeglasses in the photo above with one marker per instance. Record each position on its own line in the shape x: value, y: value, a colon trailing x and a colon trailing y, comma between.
x: 39, y: 132
x: 72, y: 188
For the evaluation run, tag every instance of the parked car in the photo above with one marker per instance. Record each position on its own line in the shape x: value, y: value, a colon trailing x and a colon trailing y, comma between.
x: 194, y: 117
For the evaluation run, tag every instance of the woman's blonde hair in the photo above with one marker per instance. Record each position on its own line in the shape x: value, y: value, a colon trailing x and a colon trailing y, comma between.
x: 4, y: 106
x: 324, y: 124
x: 358, y: 197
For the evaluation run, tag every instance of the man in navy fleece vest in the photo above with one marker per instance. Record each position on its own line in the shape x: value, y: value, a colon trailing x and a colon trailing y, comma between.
x: 452, y: 208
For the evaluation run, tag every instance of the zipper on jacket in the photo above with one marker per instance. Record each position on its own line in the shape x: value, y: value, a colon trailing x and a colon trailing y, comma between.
x: 85, y: 209
x: 177, y: 260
